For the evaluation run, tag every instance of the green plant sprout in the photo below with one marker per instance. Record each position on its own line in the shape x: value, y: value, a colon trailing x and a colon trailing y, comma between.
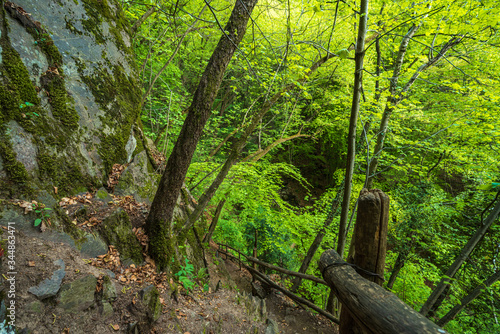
x: 42, y: 212
x: 185, y: 276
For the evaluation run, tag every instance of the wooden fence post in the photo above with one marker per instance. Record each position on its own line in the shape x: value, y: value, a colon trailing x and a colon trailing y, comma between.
x: 370, y: 245
x: 376, y: 309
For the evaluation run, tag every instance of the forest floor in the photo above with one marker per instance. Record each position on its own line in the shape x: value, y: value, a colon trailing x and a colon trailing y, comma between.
x: 220, y: 307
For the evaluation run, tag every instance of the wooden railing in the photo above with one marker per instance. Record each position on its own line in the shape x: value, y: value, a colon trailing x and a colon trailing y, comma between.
x: 366, y: 306
x: 266, y: 281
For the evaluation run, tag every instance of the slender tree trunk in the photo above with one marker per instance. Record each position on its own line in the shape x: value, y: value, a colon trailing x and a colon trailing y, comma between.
x: 143, y: 18
x: 464, y: 254
x: 400, y: 262
x: 256, y: 156
x: 158, y: 223
x: 317, y: 241
x: 215, y: 220
x: 469, y: 298
x: 351, y: 138
x: 397, y: 96
x: 215, y: 150
x: 391, y: 103
x: 240, y: 144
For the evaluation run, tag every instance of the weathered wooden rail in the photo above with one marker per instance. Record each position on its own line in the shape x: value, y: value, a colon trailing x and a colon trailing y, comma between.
x: 375, y: 309
x: 367, y: 308
x: 267, y: 281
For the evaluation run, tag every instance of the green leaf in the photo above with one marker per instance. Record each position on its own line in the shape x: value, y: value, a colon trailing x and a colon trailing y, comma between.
x: 37, y: 222
x: 343, y: 54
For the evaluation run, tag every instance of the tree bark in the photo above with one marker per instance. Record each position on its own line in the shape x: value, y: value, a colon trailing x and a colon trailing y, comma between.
x: 469, y: 298
x: 158, y: 223
x: 351, y: 138
x: 464, y: 254
x: 143, y: 18
x: 215, y: 220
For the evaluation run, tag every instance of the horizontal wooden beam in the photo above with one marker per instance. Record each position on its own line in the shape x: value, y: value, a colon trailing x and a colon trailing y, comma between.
x: 375, y: 308
x: 273, y: 267
x: 263, y: 278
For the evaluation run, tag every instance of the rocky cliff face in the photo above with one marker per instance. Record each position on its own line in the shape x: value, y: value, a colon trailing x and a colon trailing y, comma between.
x: 68, y: 95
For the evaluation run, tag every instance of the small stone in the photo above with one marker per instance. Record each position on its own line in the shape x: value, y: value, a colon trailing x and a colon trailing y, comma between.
x: 103, y: 196
x: 151, y: 298
x: 35, y: 307
x: 50, y: 287
x: 109, y: 290
x: 116, y: 229
x: 110, y: 273
x: 107, y: 310
x: 272, y: 327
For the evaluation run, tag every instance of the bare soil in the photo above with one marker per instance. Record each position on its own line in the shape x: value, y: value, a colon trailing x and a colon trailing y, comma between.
x: 218, y: 309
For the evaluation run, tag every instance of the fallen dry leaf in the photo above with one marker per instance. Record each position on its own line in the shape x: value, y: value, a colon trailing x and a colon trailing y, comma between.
x: 31, y: 263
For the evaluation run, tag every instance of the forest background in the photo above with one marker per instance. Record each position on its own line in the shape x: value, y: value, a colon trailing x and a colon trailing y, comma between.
x: 427, y: 132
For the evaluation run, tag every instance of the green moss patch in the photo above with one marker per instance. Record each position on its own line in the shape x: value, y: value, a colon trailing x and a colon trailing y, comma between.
x: 99, y: 11
x: 119, y: 96
x: 61, y: 103
x: 15, y: 169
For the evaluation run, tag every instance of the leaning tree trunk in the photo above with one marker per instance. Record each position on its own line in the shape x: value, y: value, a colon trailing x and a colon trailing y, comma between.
x: 469, y: 298
x: 400, y: 262
x: 317, y: 240
x: 215, y: 220
x: 158, y: 223
x: 464, y: 254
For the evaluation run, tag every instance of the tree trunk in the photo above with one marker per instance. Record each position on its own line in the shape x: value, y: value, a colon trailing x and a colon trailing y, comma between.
x: 397, y: 96
x: 158, y: 223
x: 464, y: 254
x: 143, y: 18
x: 351, y: 138
x: 391, y: 103
x: 317, y: 241
x: 400, y: 262
x: 256, y: 156
x: 469, y: 298
x: 215, y: 220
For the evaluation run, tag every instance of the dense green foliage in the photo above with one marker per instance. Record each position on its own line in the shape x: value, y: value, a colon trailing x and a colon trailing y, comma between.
x: 440, y: 154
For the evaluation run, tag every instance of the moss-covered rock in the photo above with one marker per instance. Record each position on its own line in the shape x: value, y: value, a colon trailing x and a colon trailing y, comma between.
x: 117, y: 230
x: 68, y: 95
x: 78, y: 295
x: 137, y: 180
